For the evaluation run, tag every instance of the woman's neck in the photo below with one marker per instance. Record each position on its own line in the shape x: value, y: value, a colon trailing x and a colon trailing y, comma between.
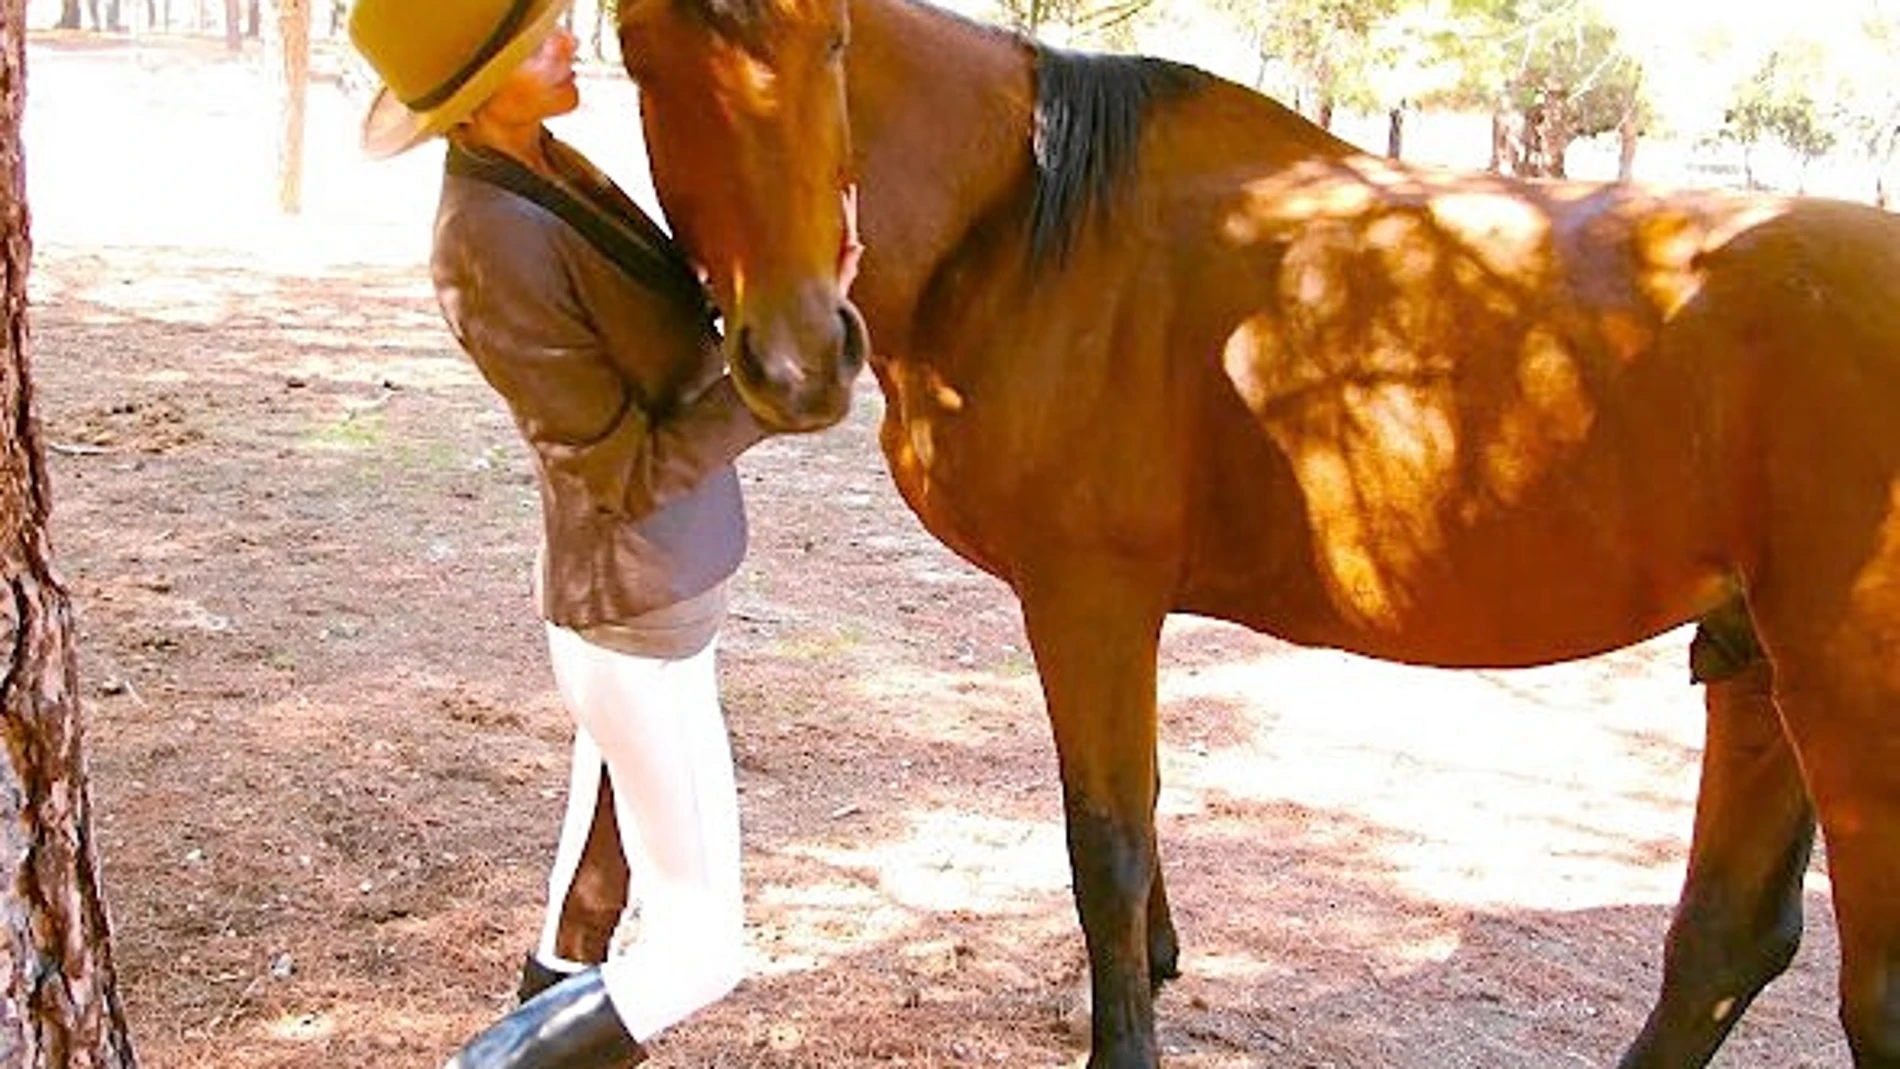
x: 525, y: 143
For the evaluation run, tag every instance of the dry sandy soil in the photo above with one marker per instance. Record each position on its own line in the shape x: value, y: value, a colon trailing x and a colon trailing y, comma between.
x: 328, y: 761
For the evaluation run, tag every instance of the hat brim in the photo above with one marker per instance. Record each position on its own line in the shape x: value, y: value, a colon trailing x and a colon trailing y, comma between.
x: 392, y: 127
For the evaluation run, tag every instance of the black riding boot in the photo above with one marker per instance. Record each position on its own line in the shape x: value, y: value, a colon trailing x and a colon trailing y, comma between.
x: 571, y: 1025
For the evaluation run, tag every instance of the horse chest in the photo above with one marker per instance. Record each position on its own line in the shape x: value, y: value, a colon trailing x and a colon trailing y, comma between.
x: 927, y: 447
x: 997, y: 474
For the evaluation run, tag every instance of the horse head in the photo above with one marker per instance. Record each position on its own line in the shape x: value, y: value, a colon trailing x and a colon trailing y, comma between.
x: 743, y: 106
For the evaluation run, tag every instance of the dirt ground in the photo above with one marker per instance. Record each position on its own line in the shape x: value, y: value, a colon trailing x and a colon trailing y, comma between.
x: 328, y: 762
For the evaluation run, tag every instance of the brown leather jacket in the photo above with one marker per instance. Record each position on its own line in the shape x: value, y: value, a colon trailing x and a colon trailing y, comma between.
x: 613, y: 376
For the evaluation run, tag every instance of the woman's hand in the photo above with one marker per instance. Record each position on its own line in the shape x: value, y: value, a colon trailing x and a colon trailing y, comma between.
x: 850, y: 250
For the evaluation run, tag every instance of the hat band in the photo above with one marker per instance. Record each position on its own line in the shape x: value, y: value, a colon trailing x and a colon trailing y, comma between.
x: 504, y: 32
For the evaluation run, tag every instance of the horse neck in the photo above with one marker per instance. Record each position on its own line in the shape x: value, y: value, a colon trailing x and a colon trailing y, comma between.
x: 940, y: 112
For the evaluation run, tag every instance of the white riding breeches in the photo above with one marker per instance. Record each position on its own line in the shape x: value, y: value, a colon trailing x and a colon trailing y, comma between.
x: 658, y: 727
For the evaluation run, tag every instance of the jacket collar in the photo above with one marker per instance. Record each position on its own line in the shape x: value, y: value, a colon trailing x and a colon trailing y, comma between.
x: 589, y: 202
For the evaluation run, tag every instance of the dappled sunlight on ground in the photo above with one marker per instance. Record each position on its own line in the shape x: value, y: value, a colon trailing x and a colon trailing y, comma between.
x: 1446, y: 758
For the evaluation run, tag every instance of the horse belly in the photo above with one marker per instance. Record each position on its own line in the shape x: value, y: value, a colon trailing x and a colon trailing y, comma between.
x: 1406, y: 520
x: 1518, y: 594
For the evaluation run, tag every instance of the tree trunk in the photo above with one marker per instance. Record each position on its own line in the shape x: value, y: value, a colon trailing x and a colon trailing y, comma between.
x: 288, y: 60
x: 59, y: 999
x: 1395, y: 133
x: 1556, y: 151
x: 1547, y: 136
x: 1628, y: 132
x: 233, y: 25
x: 1880, y: 158
x: 1558, y: 135
x: 1503, y: 151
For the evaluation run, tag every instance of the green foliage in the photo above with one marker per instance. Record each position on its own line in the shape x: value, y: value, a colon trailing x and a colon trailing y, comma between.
x: 1778, y: 102
x: 1103, y: 24
x: 1869, y: 101
x: 1520, y: 55
x: 1329, y: 50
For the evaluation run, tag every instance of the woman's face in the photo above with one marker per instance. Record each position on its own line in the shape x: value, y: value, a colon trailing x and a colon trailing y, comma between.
x: 542, y: 87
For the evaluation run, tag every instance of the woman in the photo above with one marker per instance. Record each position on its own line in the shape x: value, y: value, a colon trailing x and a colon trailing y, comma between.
x: 593, y: 328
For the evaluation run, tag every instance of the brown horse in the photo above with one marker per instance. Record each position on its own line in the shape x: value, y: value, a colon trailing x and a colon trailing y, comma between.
x: 1152, y: 343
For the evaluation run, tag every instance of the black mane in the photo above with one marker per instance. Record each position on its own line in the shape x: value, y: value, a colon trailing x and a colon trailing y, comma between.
x: 744, y: 21
x: 1089, y: 113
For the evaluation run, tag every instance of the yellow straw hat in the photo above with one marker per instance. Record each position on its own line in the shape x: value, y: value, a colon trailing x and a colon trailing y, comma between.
x: 440, y: 60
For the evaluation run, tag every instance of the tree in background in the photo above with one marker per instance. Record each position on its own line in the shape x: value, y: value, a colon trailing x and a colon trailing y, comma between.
x: 287, y: 59
x: 1549, y: 72
x: 606, y: 14
x: 59, y: 997
x: 1778, y: 102
x: 1319, y: 54
x: 1870, y: 95
x: 1101, y: 24
x: 1400, y: 67
x: 69, y: 12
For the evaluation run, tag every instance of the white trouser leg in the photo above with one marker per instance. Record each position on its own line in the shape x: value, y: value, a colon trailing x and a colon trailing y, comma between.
x: 663, y: 736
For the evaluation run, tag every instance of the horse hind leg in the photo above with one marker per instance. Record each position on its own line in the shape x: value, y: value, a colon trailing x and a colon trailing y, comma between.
x: 1738, y: 922
x: 1843, y: 714
x: 1834, y: 638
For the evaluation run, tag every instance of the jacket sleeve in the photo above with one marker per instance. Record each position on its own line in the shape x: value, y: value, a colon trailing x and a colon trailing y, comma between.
x: 511, y: 302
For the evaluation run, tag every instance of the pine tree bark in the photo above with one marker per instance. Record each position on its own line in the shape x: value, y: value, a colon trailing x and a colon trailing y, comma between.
x: 1500, y: 144
x: 1629, y: 134
x: 288, y: 60
x: 59, y: 1001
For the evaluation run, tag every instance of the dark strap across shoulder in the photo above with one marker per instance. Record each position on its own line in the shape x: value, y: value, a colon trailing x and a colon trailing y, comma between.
x: 625, y: 236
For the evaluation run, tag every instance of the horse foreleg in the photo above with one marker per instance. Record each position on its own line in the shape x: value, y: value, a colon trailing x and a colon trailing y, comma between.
x: 1095, y: 631
x: 596, y: 897
x: 1739, y: 919
x: 1164, y: 947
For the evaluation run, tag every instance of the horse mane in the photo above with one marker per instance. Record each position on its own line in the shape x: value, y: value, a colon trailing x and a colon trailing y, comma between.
x: 737, y: 20
x: 1090, y: 109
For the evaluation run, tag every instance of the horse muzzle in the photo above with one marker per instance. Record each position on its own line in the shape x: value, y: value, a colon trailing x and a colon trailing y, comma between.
x: 795, y: 371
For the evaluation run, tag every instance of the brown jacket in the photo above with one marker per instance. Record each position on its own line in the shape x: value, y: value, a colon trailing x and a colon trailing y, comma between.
x: 613, y: 376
